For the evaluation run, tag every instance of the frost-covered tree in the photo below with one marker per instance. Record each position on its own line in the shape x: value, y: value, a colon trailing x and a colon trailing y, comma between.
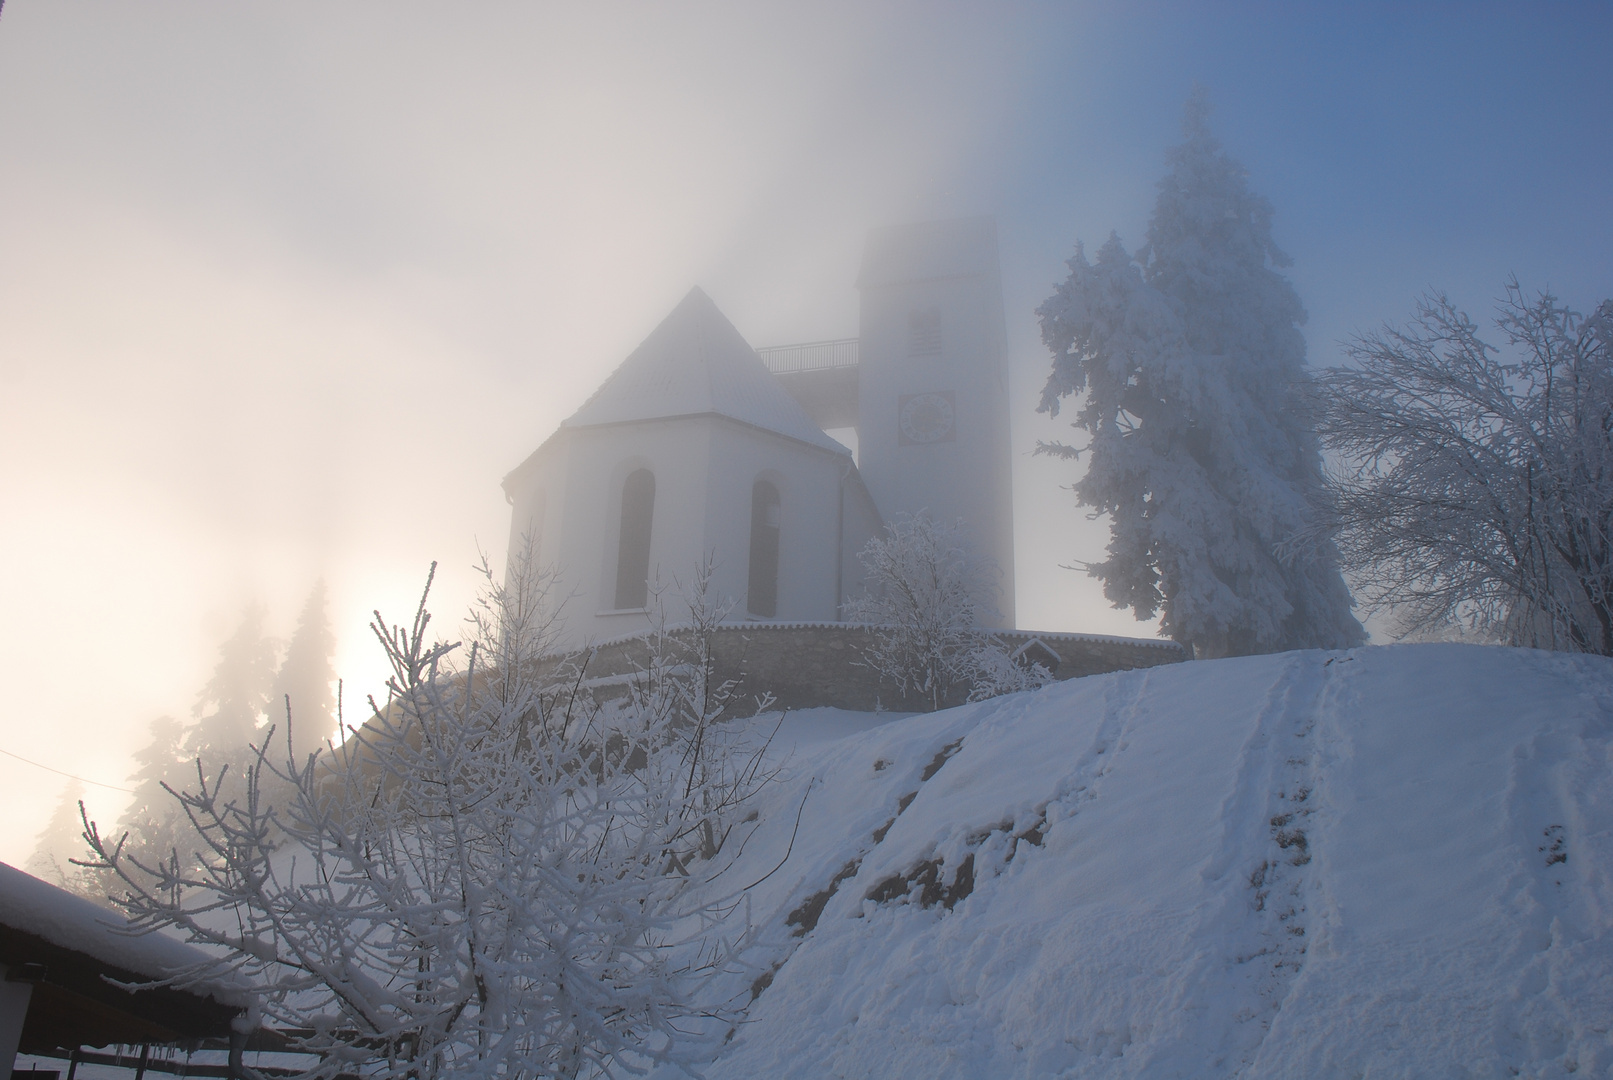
x: 718, y: 762
x: 489, y: 878
x: 60, y: 841
x: 925, y: 593
x: 224, y: 724
x: 1202, y: 448
x: 153, y: 823
x: 306, y: 675
x: 236, y: 699
x: 1476, y: 484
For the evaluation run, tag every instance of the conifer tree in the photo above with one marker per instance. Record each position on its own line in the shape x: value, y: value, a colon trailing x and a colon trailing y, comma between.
x: 1202, y: 447
x: 225, y: 723
x: 306, y: 674
x: 235, y: 700
x: 150, y: 815
x: 152, y: 823
x: 60, y: 841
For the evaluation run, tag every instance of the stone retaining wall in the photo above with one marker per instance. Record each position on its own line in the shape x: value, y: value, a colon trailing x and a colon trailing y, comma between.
x: 808, y: 665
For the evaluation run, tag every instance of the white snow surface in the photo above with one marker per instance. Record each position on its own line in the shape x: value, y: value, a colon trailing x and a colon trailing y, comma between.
x: 1446, y: 913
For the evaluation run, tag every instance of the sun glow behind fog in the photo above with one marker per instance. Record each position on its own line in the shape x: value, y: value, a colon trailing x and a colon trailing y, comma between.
x: 286, y: 290
x: 296, y: 286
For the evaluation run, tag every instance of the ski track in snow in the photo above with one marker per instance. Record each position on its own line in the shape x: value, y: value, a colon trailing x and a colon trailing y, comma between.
x: 1550, y: 775
x: 1260, y: 873
x: 1382, y: 863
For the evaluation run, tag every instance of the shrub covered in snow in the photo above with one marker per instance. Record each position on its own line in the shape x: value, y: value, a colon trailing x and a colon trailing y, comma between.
x: 926, y: 593
x: 490, y: 877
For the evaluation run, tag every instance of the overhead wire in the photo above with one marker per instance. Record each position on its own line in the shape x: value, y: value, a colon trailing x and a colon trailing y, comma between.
x: 59, y: 772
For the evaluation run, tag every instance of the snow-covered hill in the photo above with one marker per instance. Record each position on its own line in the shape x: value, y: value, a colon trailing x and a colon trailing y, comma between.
x: 1388, y: 862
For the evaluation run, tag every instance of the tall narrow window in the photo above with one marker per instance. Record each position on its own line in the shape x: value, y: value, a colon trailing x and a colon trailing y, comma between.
x: 633, y: 547
x: 762, y: 596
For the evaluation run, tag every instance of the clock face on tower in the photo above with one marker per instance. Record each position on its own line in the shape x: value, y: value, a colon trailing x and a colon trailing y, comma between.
x: 925, y: 418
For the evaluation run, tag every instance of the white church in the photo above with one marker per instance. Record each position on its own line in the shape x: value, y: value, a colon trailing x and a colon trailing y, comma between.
x: 701, y: 444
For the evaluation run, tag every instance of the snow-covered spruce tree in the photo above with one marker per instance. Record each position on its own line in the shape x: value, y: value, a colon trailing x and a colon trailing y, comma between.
x: 925, y: 593
x: 476, y: 881
x: 236, y: 700
x: 306, y: 675
x: 152, y: 819
x: 1202, y: 445
x: 60, y: 841
x: 225, y: 721
x: 1476, y: 487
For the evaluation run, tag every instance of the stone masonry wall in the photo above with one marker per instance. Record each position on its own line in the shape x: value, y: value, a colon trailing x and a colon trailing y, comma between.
x: 809, y: 665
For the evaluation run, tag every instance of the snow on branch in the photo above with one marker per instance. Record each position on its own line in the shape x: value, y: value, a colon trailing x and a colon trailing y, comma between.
x: 490, y: 875
x: 1475, y: 485
x: 926, y: 594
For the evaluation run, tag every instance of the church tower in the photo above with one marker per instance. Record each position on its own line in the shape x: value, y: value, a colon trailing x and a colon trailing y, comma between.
x: 933, y: 423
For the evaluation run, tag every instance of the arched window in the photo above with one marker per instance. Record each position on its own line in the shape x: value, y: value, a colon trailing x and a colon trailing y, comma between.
x: 633, y: 545
x: 762, y: 596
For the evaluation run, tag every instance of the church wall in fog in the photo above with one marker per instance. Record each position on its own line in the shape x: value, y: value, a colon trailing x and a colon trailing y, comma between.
x: 576, y: 482
x: 808, y: 483
x: 693, y: 449
x: 705, y: 469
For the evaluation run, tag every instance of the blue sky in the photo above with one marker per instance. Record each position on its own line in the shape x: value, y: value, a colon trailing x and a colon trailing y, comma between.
x: 285, y: 289
x: 1403, y: 146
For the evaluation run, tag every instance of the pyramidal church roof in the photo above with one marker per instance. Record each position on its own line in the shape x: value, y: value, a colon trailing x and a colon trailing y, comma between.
x: 696, y: 363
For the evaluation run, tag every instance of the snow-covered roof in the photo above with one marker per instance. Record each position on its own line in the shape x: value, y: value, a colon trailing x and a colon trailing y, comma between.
x: 58, y: 917
x: 695, y: 363
x: 927, y: 250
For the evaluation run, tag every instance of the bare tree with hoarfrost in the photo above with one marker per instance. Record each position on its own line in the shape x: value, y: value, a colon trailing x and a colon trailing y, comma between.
x: 478, y: 881
x: 925, y: 593
x: 1202, y: 449
x: 717, y: 762
x: 1476, y: 485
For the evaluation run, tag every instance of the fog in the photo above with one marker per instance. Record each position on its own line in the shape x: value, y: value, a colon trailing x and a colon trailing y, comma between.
x: 286, y: 289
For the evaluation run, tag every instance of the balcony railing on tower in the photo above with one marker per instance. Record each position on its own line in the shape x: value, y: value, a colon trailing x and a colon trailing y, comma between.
x: 821, y: 375
x: 810, y: 356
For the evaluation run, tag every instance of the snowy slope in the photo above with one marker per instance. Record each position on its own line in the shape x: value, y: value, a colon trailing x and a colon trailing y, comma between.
x: 1387, y: 862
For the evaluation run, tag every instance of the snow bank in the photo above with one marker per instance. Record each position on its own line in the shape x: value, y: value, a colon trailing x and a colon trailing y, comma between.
x: 1385, y: 862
